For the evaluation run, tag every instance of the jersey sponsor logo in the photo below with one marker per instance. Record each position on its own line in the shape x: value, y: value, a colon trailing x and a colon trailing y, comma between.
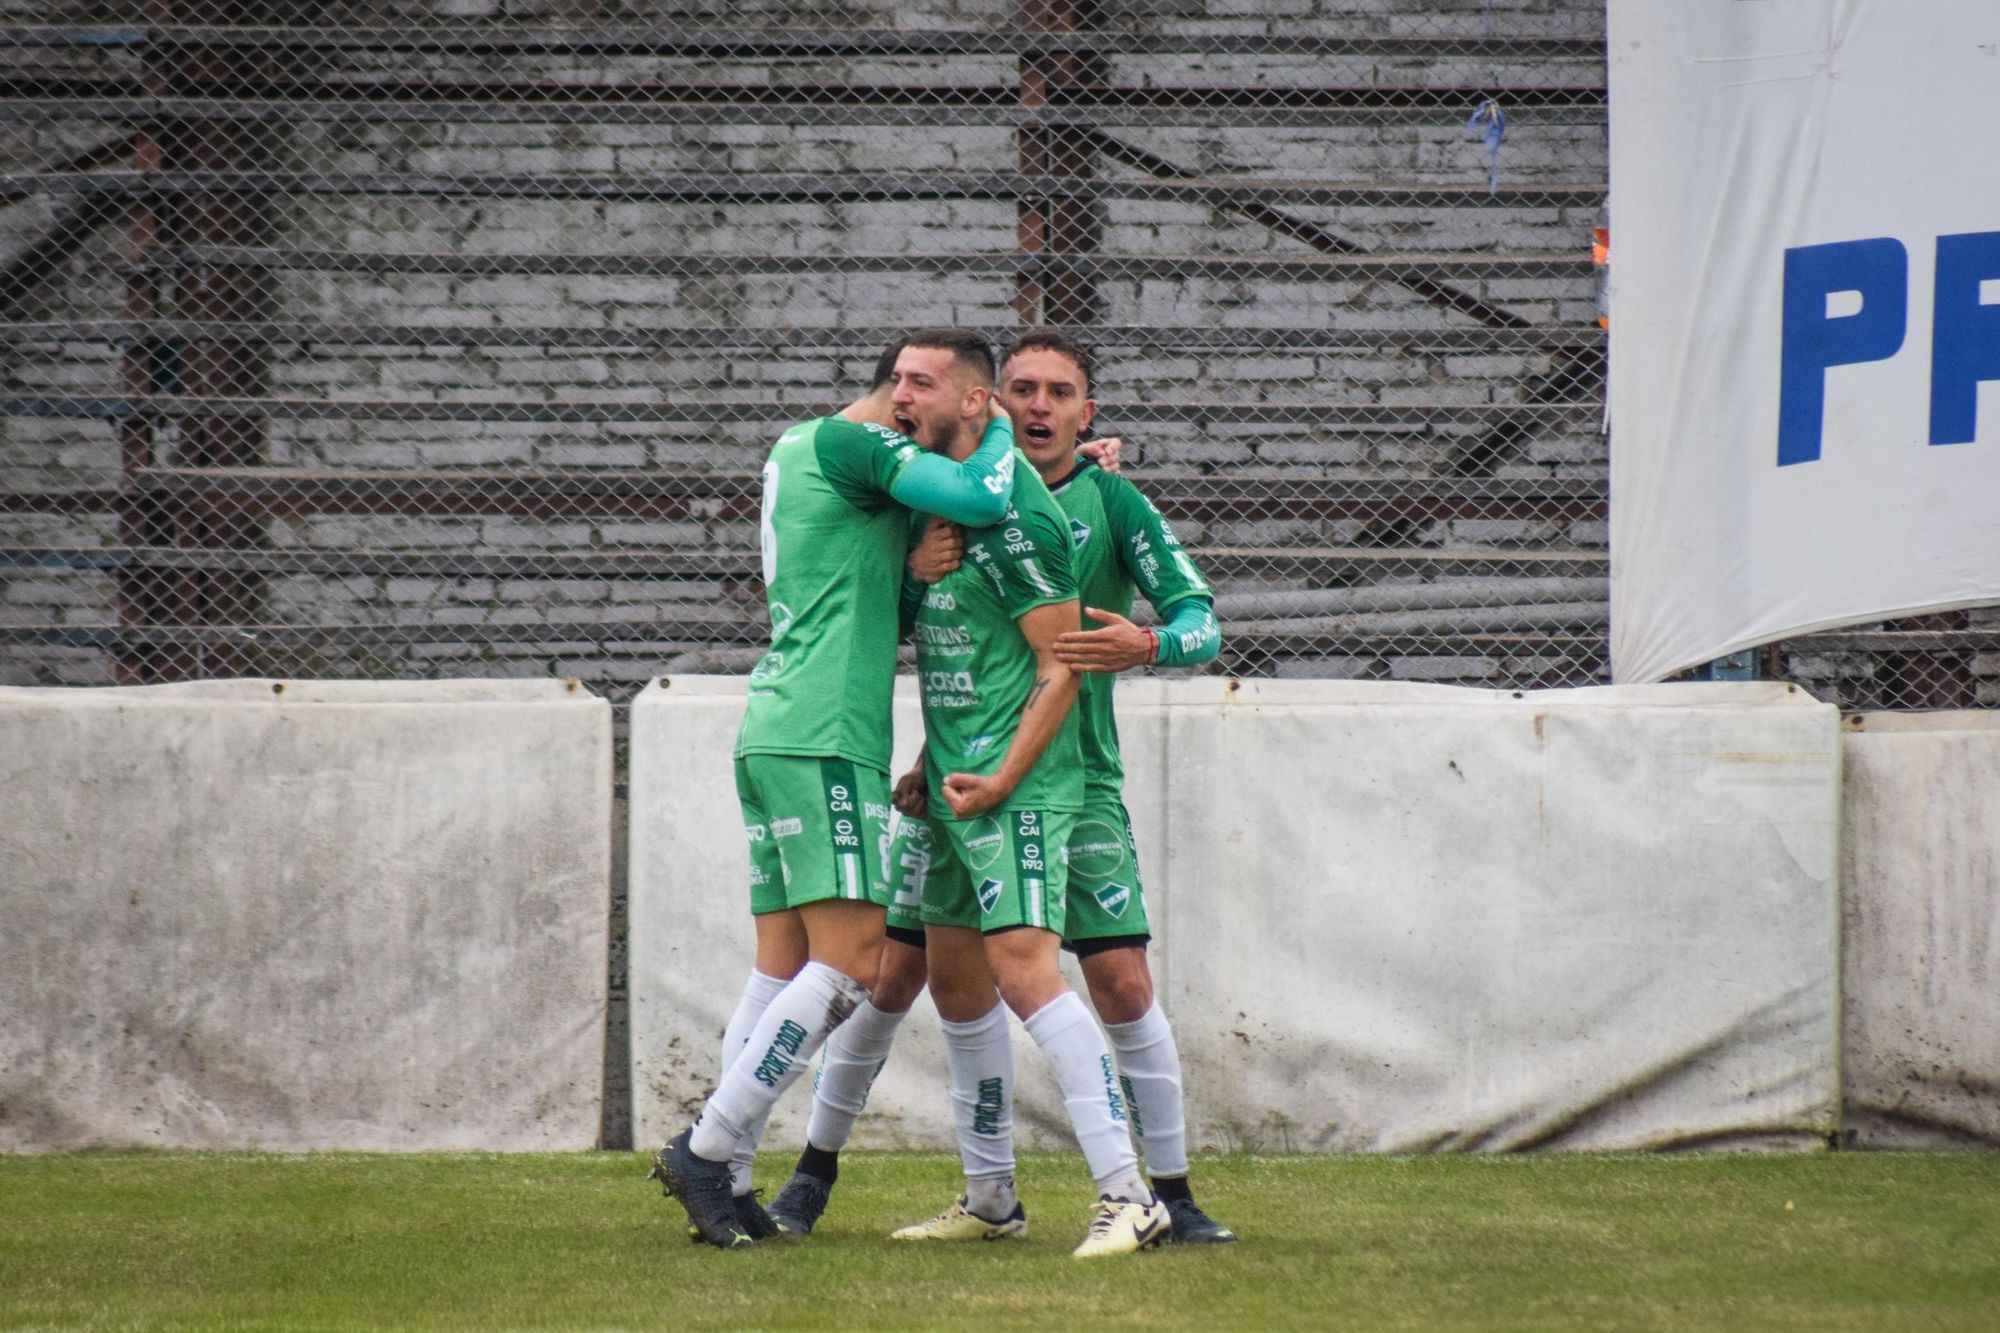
x: 755, y: 832
x: 979, y: 744
x: 1002, y: 480
x: 1113, y: 897
x: 989, y: 895
x: 875, y: 811
x: 1196, y: 638
x: 1096, y: 849
x: 944, y: 636
x: 1079, y: 531
x: 787, y: 828
x: 949, y: 689
x: 983, y: 842
x: 937, y: 599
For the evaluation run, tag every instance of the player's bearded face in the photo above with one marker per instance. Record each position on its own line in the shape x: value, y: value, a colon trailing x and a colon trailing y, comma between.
x: 1042, y: 389
x: 932, y: 398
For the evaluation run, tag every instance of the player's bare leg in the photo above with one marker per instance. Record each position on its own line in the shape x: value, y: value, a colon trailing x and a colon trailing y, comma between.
x: 1149, y: 1071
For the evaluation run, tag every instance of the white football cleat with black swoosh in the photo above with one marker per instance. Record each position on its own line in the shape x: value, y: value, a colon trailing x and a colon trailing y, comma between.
x: 1124, y: 1228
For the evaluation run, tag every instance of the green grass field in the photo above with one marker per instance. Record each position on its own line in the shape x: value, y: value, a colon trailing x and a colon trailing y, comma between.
x: 1826, y: 1241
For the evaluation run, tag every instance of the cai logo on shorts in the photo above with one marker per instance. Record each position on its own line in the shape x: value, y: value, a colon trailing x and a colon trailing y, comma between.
x: 989, y: 895
x: 1114, y: 897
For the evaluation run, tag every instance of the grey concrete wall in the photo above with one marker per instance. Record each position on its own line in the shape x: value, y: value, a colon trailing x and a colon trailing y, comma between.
x: 1921, y: 918
x: 1388, y: 918
x: 302, y: 915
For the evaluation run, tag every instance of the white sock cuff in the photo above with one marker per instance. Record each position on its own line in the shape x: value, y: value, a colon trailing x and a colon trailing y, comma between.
x: 1057, y: 1017
x: 761, y: 988
x: 872, y: 1024
x: 1142, y: 1031
x: 996, y: 1017
x: 836, y: 981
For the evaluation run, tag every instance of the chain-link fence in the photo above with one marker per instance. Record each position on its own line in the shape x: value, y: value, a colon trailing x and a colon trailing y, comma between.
x: 419, y: 339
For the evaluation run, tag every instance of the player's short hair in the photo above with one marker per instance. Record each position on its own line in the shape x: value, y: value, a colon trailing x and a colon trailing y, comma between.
x: 967, y: 348
x: 885, y: 364
x: 1054, y: 340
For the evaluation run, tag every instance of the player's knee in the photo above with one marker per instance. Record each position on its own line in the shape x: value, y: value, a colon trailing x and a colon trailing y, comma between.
x: 900, y: 979
x: 1121, y: 986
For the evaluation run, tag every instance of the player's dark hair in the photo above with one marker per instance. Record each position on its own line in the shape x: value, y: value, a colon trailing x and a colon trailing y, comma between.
x: 966, y: 347
x: 1054, y: 340
x: 885, y: 364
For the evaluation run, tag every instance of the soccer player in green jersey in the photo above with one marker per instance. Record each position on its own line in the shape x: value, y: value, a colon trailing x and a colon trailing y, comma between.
x: 997, y: 792
x: 812, y: 757
x: 1122, y: 545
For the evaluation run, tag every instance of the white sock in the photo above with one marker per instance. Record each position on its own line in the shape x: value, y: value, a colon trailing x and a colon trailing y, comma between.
x: 794, y: 1026
x: 854, y: 1056
x: 981, y: 1059
x: 1081, y: 1062
x: 758, y: 992
x: 1149, y: 1069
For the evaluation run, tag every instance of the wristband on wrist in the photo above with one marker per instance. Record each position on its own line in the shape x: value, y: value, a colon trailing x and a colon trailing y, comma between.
x: 1154, y: 656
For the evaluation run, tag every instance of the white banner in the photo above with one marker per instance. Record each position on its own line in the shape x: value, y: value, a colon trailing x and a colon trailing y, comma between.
x: 1805, y: 351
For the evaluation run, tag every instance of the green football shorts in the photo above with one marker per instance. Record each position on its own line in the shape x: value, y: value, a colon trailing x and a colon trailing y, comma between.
x: 818, y: 829
x: 1106, y: 900
x: 989, y: 873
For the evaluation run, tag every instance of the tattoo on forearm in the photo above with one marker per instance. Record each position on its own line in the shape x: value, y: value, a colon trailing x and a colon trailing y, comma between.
x: 1036, y: 693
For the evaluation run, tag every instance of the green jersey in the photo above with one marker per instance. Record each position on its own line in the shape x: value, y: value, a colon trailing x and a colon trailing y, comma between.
x: 974, y: 666
x: 833, y: 541
x: 1123, y: 546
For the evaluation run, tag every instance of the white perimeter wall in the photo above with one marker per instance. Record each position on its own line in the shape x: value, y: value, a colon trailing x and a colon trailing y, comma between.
x: 1922, y: 929
x: 1388, y: 917
x: 325, y: 915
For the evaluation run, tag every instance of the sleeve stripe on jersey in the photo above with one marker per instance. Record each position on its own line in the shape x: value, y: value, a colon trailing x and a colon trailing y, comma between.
x: 1042, y: 585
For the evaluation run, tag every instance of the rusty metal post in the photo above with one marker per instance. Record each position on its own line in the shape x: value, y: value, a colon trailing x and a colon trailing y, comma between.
x: 201, y: 367
x: 1055, y: 225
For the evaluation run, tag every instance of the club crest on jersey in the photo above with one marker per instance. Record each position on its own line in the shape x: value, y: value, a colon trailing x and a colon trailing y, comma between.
x: 1079, y: 531
x: 989, y: 895
x: 1114, y: 897
x: 781, y: 618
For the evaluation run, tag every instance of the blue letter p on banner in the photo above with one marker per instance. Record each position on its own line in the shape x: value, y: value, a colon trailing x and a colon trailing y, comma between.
x: 1965, y: 334
x: 1813, y: 342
